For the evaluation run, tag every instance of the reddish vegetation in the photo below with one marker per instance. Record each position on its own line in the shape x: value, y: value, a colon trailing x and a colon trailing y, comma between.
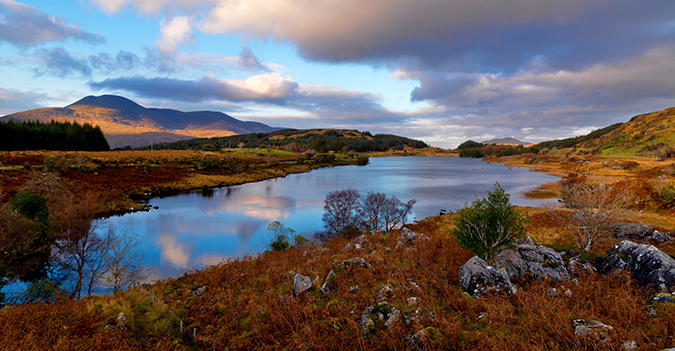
x: 248, y: 304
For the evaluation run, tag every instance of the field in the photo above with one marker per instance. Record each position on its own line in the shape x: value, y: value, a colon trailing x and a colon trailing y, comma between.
x: 120, y: 177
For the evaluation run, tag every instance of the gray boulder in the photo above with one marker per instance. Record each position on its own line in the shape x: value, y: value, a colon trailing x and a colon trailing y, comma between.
x: 356, y: 261
x: 638, y: 232
x: 301, y: 284
x: 478, y: 278
x: 122, y: 321
x: 650, y: 267
x: 529, y: 261
x: 325, y: 287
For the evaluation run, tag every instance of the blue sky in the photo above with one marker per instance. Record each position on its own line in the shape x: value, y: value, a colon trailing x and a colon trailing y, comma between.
x: 440, y: 71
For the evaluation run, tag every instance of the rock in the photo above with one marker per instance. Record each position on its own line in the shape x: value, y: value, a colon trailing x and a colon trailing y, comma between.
x: 357, y: 261
x: 325, y: 288
x: 409, y: 237
x: 316, y: 252
x: 301, y: 284
x: 373, y: 317
x: 629, y: 346
x: 576, y: 268
x: 638, y: 232
x: 559, y: 291
x: 358, y: 243
x: 478, y: 278
x: 412, y: 301
x: 200, y: 291
x: 416, y: 341
x: 535, y: 262
x: 650, y: 267
x: 122, y: 321
x: 585, y: 330
x: 385, y: 292
x: 662, y: 298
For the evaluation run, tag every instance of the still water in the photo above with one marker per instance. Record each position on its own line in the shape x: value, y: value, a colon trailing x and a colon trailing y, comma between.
x: 202, y: 228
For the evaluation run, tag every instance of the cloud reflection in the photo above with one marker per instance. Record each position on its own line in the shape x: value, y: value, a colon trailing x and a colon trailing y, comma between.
x: 173, y: 253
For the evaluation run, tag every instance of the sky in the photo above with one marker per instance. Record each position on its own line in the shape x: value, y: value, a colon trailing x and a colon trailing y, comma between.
x: 442, y: 71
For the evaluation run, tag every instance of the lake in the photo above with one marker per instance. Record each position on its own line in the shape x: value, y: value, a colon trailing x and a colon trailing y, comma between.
x: 201, y: 228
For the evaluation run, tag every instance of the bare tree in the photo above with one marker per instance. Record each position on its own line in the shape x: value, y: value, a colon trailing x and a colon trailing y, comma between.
x: 396, y: 212
x: 342, y: 214
x: 88, y: 253
x: 587, y: 211
x: 373, y: 208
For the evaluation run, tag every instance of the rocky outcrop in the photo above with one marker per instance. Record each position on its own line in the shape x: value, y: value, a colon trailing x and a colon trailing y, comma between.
x: 650, y: 267
x: 358, y: 243
x: 408, y: 237
x: 325, y: 287
x: 589, y: 330
x: 301, y: 284
x: 377, y: 316
x: 531, y: 261
x: 638, y: 232
x: 478, y: 278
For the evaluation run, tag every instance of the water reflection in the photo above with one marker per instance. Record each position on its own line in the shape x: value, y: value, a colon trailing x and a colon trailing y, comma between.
x: 205, y: 227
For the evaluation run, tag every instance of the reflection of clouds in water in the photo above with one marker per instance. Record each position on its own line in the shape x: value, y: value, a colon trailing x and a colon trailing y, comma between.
x: 172, y: 252
x: 210, y: 259
x: 245, y: 229
x: 267, y: 208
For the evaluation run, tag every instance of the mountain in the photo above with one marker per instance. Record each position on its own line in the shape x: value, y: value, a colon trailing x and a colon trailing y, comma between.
x: 125, y: 122
x: 505, y: 141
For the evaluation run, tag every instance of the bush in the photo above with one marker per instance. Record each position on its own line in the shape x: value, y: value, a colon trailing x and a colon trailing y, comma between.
x: 475, y: 153
x: 281, y: 237
x: 362, y: 160
x: 489, y: 224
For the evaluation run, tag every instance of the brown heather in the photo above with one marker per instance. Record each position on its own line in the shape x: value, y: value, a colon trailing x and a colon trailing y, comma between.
x: 248, y: 304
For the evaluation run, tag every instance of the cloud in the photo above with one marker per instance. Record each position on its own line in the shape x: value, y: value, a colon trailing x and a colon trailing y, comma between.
x: 12, y: 101
x: 124, y: 60
x: 151, y: 7
x: 59, y: 63
x: 269, y: 87
x: 248, y: 62
x: 172, y: 252
x: 462, y: 33
x: 175, y: 33
x: 25, y: 26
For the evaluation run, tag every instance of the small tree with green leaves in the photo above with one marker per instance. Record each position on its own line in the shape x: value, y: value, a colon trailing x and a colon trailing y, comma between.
x: 283, y: 238
x: 489, y: 224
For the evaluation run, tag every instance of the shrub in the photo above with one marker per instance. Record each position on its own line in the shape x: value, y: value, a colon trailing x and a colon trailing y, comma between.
x: 475, y: 153
x: 362, y: 160
x: 281, y: 236
x: 489, y: 224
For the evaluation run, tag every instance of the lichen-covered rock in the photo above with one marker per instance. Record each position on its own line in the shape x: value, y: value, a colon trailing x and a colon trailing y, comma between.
x: 384, y: 293
x: 650, y: 267
x: 325, y: 287
x: 200, y: 291
x: 122, y: 321
x: 478, y: 278
x: 590, y: 330
x: 576, y: 268
x: 357, y: 261
x: 301, y: 284
x: 358, y: 243
x: 376, y: 316
x: 409, y: 237
x: 316, y: 252
x: 529, y: 261
x: 662, y: 298
x: 638, y: 232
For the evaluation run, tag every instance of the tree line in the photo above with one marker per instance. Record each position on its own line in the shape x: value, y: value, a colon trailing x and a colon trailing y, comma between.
x: 303, y: 139
x: 63, y: 136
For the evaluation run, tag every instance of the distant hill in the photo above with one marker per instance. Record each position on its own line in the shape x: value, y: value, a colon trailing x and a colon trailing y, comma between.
x: 125, y: 122
x: 505, y: 141
x: 328, y: 139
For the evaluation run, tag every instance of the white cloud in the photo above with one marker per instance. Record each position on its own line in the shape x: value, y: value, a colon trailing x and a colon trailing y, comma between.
x: 175, y: 33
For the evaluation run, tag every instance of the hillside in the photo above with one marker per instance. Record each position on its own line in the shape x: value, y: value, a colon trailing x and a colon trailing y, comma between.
x: 649, y: 134
x: 125, y: 122
x: 505, y: 141
x: 296, y: 140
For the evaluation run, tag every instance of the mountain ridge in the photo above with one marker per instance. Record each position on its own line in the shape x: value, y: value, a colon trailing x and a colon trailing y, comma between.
x: 125, y: 122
